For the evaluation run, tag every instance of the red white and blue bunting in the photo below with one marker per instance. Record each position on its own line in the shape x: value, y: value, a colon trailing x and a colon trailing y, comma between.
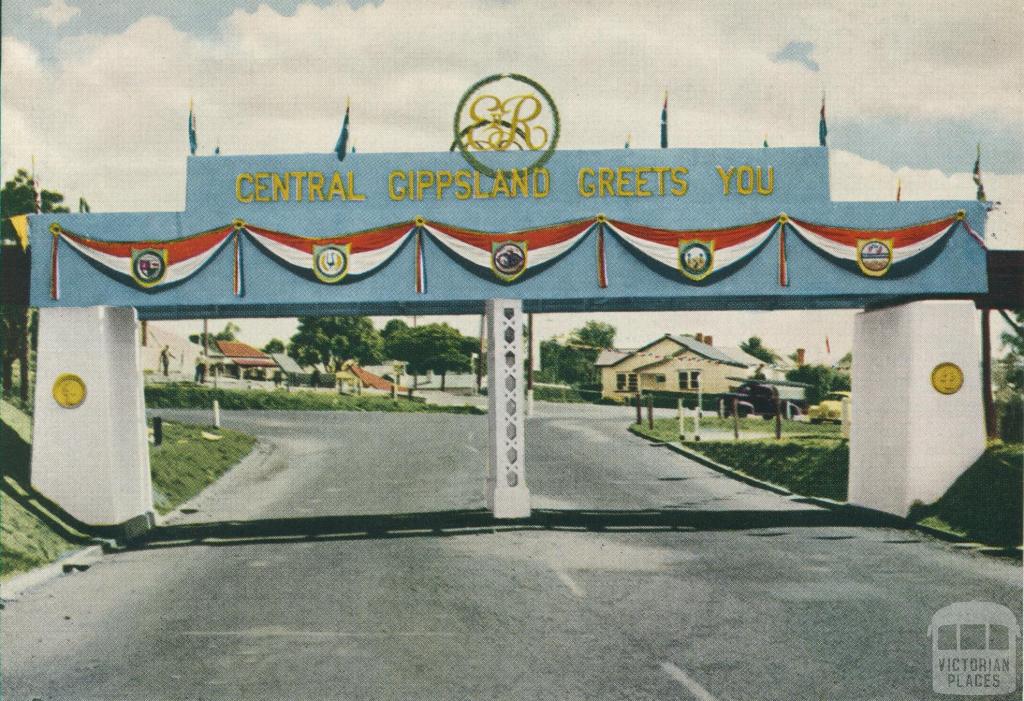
x: 697, y: 255
x: 148, y: 264
x: 510, y: 255
x: 877, y: 251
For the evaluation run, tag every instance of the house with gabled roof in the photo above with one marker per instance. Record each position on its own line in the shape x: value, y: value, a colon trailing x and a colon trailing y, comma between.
x: 674, y: 363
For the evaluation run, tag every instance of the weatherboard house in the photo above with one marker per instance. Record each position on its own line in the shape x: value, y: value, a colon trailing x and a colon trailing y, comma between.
x: 679, y: 364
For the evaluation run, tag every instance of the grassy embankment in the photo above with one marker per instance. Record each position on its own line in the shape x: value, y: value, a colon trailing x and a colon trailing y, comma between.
x: 984, y: 504
x: 190, y: 396
x: 182, y: 467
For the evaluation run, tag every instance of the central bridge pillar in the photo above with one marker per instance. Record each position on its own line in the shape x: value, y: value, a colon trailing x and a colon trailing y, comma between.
x: 507, y: 495
x: 90, y: 453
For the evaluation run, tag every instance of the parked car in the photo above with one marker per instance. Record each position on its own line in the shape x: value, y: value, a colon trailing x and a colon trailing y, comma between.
x: 830, y: 408
x: 754, y: 399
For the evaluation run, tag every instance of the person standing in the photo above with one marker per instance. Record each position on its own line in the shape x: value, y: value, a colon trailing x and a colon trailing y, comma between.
x: 165, y: 359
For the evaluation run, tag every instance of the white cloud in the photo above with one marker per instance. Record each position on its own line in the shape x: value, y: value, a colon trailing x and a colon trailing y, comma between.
x: 57, y: 13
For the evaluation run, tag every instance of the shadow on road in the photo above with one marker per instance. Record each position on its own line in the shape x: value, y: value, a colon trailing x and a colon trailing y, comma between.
x: 463, y: 522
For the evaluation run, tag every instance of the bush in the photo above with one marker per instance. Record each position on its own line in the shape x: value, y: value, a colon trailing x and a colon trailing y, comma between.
x: 190, y: 396
x: 1011, y: 420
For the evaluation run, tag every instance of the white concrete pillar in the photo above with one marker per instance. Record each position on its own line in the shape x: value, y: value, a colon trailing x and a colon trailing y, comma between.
x: 507, y: 495
x: 90, y: 453
x: 916, y: 426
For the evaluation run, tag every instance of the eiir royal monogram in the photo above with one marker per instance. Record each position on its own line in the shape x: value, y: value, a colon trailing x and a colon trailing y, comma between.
x: 507, y: 123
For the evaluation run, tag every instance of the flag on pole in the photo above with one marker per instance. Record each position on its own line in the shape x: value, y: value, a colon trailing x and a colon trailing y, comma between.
x: 628, y: 137
x: 828, y: 346
x: 899, y: 189
x: 341, y: 147
x: 822, y: 127
x: 977, y: 177
x: 83, y: 206
x: 664, y: 122
x: 765, y: 144
x: 193, y: 142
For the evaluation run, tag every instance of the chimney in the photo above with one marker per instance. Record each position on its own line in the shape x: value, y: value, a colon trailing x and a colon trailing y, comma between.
x: 709, y: 340
x: 800, y: 356
x: 700, y: 337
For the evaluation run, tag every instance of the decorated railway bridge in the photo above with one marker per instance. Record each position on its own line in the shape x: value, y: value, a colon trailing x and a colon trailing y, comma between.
x: 612, y: 230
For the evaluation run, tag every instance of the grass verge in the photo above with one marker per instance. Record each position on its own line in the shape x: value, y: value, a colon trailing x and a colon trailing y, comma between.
x: 983, y: 505
x: 186, y: 462
x: 190, y: 396
x: 668, y: 429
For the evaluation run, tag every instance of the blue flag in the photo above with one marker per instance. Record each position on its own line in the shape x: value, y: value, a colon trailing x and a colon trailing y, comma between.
x: 977, y: 177
x: 341, y: 147
x: 822, y: 127
x: 192, y: 140
x: 664, y: 122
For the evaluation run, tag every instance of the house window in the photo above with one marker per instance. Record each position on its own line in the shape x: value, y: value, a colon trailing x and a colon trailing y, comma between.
x: 689, y: 379
x: 620, y: 381
x: 632, y: 382
x: 659, y: 379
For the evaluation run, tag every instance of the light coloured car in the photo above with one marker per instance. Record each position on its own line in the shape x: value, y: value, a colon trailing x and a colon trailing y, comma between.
x: 830, y: 408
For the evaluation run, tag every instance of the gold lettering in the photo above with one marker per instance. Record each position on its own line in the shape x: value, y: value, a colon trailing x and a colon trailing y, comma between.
x: 239, y: 195
x: 462, y: 187
x: 477, y: 193
x: 316, y: 185
x: 300, y: 176
x: 262, y: 187
x: 541, y: 183
x: 586, y: 189
x: 337, y: 188
x: 768, y: 189
x: 520, y: 182
x: 605, y: 176
x: 500, y: 184
x: 744, y: 180
x: 726, y: 176
x: 444, y: 181
x: 622, y: 180
x: 396, y: 194
x: 661, y: 170
x: 641, y: 181
x: 280, y: 186
x: 676, y: 176
x: 352, y: 194
x: 424, y: 180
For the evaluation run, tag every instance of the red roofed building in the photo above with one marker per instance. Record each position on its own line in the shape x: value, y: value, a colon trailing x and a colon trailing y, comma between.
x: 250, y: 362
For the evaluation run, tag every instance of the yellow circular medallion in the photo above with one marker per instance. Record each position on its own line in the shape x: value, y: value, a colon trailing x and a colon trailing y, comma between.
x: 947, y: 378
x: 69, y: 390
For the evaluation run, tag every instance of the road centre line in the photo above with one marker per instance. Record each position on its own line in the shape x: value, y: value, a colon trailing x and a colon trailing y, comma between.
x: 686, y: 680
x: 571, y: 584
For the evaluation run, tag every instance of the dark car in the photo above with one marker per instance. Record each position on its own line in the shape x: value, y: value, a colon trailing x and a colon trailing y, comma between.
x: 753, y: 399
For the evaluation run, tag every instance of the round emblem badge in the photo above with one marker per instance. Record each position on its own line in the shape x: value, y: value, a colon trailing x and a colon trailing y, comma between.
x: 697, y: 259
x: 330, y: 263
x: 69, y: 390
x: 506, y: 112
x: 149, y: 266
x: 509, y: 259
x: 875, y: 257
x: 947, y: 378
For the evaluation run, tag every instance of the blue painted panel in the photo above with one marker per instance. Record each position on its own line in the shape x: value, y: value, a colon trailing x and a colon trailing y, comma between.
x: 800, y: 189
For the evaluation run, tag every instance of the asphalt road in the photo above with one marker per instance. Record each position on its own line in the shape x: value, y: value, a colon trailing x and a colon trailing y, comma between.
x: 351, y: 561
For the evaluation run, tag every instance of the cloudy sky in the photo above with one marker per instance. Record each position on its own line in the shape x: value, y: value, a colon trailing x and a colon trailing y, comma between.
x: 98, y: 92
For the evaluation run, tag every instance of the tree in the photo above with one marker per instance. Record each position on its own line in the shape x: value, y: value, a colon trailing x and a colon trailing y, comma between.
x: 18, y: 197
x: 434, y: 347
x: 392, y: 327
x: 594, y: 335
x: 228, y: 333
x: 755, y: 347
x: 332, y: 340
x: 822, y: 380
x: 274, y: 345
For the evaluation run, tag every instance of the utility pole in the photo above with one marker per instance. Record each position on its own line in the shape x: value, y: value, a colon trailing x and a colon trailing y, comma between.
x: 991, y: 430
